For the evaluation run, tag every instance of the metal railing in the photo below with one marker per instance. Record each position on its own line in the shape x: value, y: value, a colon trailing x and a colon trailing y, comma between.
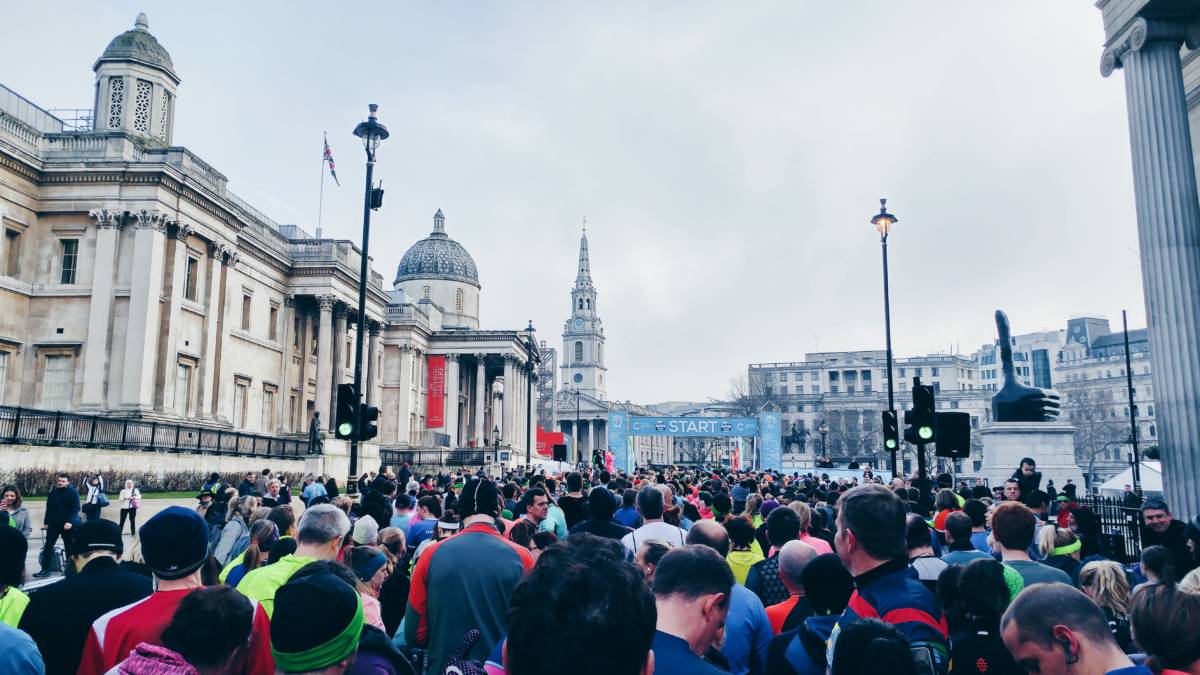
x: 457, y: 457
x: 1120, y: 527
x: 55, y: 427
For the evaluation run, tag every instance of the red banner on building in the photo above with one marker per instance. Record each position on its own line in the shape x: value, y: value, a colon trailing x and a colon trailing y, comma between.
x: 435, y: 393
x: 546, y: 440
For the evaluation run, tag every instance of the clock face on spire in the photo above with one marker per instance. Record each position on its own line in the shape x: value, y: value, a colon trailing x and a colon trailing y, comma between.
x: 578, y: 324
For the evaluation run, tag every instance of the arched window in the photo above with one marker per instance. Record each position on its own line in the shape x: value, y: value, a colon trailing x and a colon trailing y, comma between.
x: 458, y: 300
x: 1152, y: 431
x: 589, y: 303
x: 578, y: 352
x: 425, y: 292
x: 581, y: 303
x: 1150, y: 410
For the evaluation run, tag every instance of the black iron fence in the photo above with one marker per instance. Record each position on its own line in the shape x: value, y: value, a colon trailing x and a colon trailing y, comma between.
x: 457, y: 457
x: 1120, y: 527
x: 54, y: 427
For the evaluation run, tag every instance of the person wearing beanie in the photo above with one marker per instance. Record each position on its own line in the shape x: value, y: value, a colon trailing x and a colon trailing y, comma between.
x: 60, y: 615
x: 465, y: 581
x: 322, y: 529
x: 370, y: 567
x: 301, y: 645
x: 366, y: 531
x: 175, y: 548
x: 601, y: 507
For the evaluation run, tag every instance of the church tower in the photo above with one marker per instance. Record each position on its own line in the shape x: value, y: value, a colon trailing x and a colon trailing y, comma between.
x: 583, y: 334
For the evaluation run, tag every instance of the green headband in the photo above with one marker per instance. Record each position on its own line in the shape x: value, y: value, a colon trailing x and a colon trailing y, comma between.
x: 1069, y: 548
x: 324, y: 655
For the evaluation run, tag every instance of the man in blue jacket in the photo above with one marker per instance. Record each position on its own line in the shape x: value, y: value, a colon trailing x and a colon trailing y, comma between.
x: 870, y: 541
x: 62, y: 514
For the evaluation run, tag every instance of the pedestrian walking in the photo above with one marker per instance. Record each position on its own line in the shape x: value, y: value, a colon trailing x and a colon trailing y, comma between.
x: 131, y: 500
x: 62, y: 514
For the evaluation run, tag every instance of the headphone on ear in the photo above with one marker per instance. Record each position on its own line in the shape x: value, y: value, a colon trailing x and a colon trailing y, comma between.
x: 1066, y: 645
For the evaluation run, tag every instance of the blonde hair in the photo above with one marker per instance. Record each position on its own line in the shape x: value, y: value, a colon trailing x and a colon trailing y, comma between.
x: 1051, y: 537
x: 805, y: 514
x: 258, y: 514
x: 753, y: 503
x: 1108, y: 584
x: 1191, y: 582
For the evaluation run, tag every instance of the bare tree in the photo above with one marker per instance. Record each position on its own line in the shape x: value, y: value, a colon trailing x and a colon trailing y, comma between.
x: 1099, y: 430
x: 748, y: 394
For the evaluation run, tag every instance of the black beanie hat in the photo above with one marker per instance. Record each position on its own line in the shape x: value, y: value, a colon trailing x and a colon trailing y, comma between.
x: 12, y: 559
x: 827, y: 584
x: 174, y: 542
x: 602, y: 503
x: 480, y: 497
x: 294, y: 624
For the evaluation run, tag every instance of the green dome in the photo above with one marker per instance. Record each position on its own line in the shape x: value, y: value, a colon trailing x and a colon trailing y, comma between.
x: 139, y: 46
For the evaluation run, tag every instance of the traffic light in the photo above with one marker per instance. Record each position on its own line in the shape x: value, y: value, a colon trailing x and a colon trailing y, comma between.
x: 921, y: 421
x: 953, y: 434
x: 368, y: 427
x: 891, y: 433
x: 346, y: 421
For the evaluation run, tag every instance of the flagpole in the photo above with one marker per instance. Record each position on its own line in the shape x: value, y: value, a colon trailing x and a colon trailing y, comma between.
x: 321, y: 198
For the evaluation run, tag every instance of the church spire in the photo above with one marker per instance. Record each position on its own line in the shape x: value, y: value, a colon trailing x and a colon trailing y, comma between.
x: 584, y: 278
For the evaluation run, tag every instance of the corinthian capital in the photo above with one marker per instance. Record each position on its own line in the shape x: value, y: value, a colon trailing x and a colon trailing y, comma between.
x: 325, y: 302
x: 106, y: 218
x: 151, y: 218
x: 183, y: 231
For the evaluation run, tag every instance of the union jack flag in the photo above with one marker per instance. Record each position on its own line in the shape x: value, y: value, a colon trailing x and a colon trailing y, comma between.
x: 332, y: 168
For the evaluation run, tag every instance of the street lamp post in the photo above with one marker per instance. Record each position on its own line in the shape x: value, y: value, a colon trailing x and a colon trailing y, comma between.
x: 883, y: 222
x: 578, y: 433
x: 823, y: 429
x: 531, y: 373
x: 371, y: 132
x: 1134, y: 461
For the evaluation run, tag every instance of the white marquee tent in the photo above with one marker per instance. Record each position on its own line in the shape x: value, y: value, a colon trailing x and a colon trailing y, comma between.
x: 1151, y: 480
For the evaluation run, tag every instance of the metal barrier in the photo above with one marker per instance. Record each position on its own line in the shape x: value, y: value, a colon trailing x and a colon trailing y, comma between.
x: 1120, y: 527
x: 456, y: 457
x: 55, y: 427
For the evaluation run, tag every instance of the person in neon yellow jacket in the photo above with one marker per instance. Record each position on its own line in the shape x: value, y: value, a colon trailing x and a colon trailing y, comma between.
x: 322, y: 529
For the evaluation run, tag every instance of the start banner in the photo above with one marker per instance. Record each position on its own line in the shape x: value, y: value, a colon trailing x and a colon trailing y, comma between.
x: 435, y: 393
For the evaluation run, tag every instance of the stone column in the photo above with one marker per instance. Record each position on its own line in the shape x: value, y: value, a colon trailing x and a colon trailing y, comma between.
x: 480, y: 399
x: 373, y: 329
x: 208, y: 367
x: 404, y: 402
x: 141, y: 338
x: 224, y: 385
x: 285, y: 367
x: 96, y: 349
x: 509, y: 403
x: 169, y: 349
x: 451, y: 424
x: 338, y: 353
x: 325, y: 361
x: 1168, y: 216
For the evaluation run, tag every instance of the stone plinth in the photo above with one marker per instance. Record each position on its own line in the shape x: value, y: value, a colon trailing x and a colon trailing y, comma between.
x: 1050, y: 444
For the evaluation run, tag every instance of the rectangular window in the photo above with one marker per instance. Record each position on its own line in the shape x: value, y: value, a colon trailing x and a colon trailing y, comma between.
x: 783, y: 389
x: 191, y: 279
x: 246, y: 313
x: 239, y: 403
x: 268, y: 411
x: 291, y: 410
x: 4, y: 375
x: 816, y: 388
x: 56, y: 383
x: 936, y: 371
x: 183, y: 389
x: 70, y: 261
x: 833, y: 389
x: 296, y: 333
x: 12, y: 241
x: 273, y: 328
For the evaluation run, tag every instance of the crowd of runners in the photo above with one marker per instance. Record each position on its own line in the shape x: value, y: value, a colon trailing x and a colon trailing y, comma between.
x: 667, y: 570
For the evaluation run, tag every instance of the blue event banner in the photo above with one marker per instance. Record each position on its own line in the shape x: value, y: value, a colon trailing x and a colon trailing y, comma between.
x: 770, y: 447
x: 692, y: 426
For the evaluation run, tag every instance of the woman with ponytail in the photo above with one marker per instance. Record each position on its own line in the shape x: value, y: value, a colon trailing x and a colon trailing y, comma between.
x: 264, y: 534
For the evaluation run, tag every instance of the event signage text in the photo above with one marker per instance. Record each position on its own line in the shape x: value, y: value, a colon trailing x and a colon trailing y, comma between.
x: 693, y: 426
x: 435, y: 393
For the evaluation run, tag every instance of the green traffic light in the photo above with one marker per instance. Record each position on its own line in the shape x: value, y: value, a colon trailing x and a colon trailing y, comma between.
x: 925, y: 432
x: 345, y: 428
x: 891, y: 445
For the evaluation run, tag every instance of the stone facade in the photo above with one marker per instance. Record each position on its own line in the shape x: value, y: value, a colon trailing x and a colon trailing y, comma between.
x: 134, y: 282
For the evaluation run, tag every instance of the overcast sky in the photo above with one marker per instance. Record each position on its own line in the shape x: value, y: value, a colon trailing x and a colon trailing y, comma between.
x: 728, y: 157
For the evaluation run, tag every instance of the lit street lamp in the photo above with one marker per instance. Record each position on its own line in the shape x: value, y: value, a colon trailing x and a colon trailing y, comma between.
x: 371, y: 132
x: 883, y: 222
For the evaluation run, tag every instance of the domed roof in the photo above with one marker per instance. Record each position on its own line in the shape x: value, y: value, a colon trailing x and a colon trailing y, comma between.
x: 438, y: 257
x: 139, y: 46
